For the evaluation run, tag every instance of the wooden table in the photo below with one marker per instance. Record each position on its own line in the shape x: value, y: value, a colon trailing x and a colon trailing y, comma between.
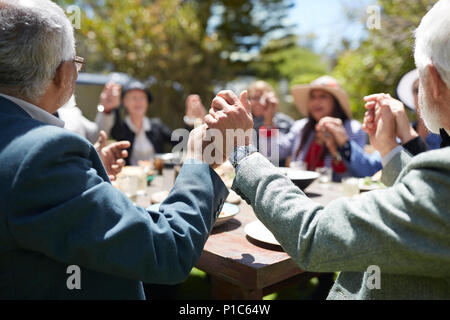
x: 243, y: 268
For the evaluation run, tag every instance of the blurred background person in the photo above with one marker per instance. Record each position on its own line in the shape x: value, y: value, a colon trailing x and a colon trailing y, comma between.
x: 266, y: 117
x: 329, y: 136
x: 76, y: 122
x: 408, y: 93
x: 195, y: 111
x: 147, y: 136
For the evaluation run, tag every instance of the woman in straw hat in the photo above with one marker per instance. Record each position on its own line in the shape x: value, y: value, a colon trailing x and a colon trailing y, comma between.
x: 328, y: 136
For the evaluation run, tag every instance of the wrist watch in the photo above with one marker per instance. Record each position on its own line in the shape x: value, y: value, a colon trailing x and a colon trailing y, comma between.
x: 240, y: 153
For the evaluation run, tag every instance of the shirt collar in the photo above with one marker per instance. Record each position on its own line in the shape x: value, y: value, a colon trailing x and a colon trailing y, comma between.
x: 445, y: 138
x: 35, y: 112
x: 146, y: 125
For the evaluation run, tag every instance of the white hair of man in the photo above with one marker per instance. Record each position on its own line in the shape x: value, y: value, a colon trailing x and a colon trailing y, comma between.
x: 433, y: 47
x: 35, y: 38
x: 433, y: 40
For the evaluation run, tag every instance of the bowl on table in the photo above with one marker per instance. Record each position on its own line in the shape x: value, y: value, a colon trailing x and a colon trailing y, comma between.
x: 300, y: 178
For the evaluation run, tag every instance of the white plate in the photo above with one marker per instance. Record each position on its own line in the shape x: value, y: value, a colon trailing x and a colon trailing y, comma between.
x: 233, y: 197
x: 366, y: 188
x: 228, y: 212
x: 258, y: 231
x: 296, y: 174
x: 165, y: 156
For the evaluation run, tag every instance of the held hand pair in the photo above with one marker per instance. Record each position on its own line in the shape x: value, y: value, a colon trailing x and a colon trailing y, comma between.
x: 229, y: 124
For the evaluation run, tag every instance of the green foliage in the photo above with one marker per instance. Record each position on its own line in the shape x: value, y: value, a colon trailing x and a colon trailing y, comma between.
x: 184, y: 47
x: 284, y: 59
x: 385, y: 56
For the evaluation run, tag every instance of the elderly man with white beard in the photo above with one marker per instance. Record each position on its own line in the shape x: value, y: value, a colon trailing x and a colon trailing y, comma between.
x: 387, y: 244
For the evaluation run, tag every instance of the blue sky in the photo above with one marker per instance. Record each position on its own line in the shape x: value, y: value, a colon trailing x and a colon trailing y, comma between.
x: 327, y: 20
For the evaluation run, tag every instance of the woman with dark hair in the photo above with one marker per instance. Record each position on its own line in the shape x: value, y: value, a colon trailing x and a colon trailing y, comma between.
x: 328, y: 136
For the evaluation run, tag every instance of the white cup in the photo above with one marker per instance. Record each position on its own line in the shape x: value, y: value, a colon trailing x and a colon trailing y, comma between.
x: 350, y: 186
x: 128, y: 184
x: 300, y: 165
x: 326, y: 174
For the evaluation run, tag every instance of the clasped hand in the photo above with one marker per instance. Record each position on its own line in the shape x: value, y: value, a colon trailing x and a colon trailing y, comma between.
x: 384, y: 121
x: 229, y: 124
x: 331, y: 131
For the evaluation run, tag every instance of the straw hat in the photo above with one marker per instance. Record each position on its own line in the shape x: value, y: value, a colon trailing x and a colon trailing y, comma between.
x: 301, y: 94
x: 405, y: 89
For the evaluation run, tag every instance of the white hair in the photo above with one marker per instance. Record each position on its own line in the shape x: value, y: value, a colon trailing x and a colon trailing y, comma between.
x: 35, y: 38
x: 433, y: 40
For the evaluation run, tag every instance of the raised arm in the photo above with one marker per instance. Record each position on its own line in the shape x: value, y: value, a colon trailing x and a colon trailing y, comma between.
x: 109, y: 104
x: 387, y: 228
x: 87, y: 222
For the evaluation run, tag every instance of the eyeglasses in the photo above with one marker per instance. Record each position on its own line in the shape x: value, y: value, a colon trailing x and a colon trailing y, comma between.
x: 79, y: 62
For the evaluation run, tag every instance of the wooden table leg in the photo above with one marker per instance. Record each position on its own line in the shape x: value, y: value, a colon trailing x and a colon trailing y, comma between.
x: 223, y: 290
x: 252, y: 294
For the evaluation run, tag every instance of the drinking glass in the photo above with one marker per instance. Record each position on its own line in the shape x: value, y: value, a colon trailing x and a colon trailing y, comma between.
x: 128, y: 184
x: 168, y: 175
x: 300, y: 165
x: 326, y: 174
x: 350, y: 186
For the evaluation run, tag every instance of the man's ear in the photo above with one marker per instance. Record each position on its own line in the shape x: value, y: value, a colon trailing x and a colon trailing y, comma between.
x: 63, y: 75
x: 436, y: 82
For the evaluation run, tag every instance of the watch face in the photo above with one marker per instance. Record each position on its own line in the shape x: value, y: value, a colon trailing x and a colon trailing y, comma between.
x: 240, y: 153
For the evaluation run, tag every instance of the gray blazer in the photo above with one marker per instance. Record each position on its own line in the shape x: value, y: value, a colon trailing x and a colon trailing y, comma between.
x: 404, y: 230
